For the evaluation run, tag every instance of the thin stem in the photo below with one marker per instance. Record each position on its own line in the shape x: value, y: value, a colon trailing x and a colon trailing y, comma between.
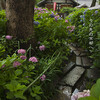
x: 41, y: 73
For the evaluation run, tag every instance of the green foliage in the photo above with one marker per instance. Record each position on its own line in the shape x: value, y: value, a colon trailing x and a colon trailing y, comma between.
x: 68, y: 10
x: 23, y: 81
x: 95, y: 92
x: 51, y: 32
x: 87, y: 32
x: 2, y: 23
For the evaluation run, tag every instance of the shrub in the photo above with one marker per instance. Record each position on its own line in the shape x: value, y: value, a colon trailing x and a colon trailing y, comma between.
x: 68, y: 10
x: 87, y: 31
x: 2, y: 23
x: 22, y: 77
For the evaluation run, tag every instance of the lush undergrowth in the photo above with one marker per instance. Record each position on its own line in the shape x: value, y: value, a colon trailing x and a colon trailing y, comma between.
x: 27, y: 76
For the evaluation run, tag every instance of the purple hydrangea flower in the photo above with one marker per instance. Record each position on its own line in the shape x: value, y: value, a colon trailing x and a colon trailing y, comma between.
x: 56, y: 18
x: 96, y: 12
x: 52, y: 15
x: 42, y: 47
x: 16, y: 63
x: 43, y: 77
x: 36, y: 23
x: 8, y: 37
x: 21, y: 51
x: 23, y: 57
x: 33, y: 59
x: 83, y: 24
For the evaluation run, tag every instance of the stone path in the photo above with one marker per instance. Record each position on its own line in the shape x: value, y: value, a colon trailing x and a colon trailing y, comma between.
x: 73, y: 72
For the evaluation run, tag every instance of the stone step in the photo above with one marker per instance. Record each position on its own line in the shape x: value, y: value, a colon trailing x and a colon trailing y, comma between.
x: 68, y: 67
x: 79, y: 61
x: 77, y: 52
x: 73, y: 76
x: 71, y: 47
x: 64, y: 93
x: 86, y: 62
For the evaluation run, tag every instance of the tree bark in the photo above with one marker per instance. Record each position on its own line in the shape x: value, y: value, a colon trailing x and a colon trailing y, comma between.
x: 2, y: 4
x: 20, y: 14
x: 93, y: 3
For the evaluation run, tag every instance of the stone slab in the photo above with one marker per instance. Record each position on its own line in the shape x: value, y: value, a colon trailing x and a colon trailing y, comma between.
x: 72, y: 48
x: 93, y: 73
x: 86, y: 61
x: 68, y: 67
x: 73, y: 76
x: 64, y: 93
x: 77, y: 52
x: 82, y: 54
x: 78, y: 61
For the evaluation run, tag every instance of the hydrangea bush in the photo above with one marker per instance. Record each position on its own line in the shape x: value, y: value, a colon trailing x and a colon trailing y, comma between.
x: 24, y: 75
x: 87, y: 32
x: 51, y: 30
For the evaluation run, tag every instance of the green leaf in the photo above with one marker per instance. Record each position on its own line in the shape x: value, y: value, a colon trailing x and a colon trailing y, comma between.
x: 19, y: 94
x: 38, y: 97
x: 18, y: 72
x: 95, y: 90
x: 37, y: 89
x: 2, y: 63
x: 12, y: 86
x: 10, y: 95
x: 15, y: 86
x: 88, y: 98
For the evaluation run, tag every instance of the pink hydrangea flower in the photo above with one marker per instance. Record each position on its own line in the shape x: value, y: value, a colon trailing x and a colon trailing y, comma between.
x: 8, y: 37
x: 33, y: 59
x: 80, y: 94
x: 42, y: 48
x: 16, y: 63
x: 66, y: 21
x: 38, y: 42
x: 71, y: 28
x: 21, y: 51
x: 3, y: 66
x: 43, y: 77
x: 23, y: 57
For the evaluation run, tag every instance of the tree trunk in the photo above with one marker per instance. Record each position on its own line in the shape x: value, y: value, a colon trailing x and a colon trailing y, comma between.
x: 2, y: 4
x: 20, y: 14
x: 93, y: 3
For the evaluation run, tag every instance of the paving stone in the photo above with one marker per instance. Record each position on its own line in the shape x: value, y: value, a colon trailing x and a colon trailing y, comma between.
x: 80, y: 49
x: 77, y: 52
x: 82, y: 54
x: 68, y: 67
x: 73, y: 76
x: 93, y: 73
x: 72, y: 48
x: 64, y: 93
x: 78, y: 61
x: 86, y: 62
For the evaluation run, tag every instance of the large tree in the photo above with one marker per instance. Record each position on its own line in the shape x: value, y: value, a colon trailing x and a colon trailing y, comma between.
x: 19, y: 14
x: 93, y: 3
x: 2, y: 4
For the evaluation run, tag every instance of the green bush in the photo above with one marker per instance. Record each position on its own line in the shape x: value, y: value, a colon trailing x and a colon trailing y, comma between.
x: 51, y: 31
x: 68, y: 10
x: 87, y: 31
x: 23, y: 81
